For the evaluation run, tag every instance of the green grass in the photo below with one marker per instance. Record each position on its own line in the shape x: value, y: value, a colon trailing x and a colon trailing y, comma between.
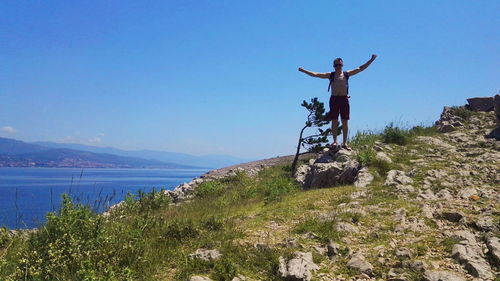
x: 147, y: 238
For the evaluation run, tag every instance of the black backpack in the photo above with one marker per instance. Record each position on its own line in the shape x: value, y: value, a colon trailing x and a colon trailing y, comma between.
x: 332, y: 75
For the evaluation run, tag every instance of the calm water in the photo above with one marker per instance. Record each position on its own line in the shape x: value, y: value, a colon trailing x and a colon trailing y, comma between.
x: 27, y: 194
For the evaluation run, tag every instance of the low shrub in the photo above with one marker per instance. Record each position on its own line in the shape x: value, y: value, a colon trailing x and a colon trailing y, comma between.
x: 394, y: 134
x: 209, y: 189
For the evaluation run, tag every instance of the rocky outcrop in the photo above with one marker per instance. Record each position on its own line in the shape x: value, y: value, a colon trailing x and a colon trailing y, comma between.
x: 329, y: 169
x: 441, y: 276
x: 298, y: 268
x: 496, y: 132
x: 481, y: 104
x: 448, y: 121
x: 469, y: 253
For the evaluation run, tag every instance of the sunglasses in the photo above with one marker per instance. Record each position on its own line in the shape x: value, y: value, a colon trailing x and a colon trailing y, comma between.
x: 335, y: 65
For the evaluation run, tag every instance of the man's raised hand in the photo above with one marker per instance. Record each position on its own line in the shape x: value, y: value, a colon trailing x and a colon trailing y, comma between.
x: 374, y: 57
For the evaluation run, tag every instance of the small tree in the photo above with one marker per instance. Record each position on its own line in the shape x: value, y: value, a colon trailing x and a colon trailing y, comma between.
x: 316, y: 118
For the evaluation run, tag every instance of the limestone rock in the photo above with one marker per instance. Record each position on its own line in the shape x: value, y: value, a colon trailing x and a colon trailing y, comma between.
x: 364, y: 178
x: 468, y: 252
x: 466, y: 193
x: 442, y: 276
x: 452, y: 216
x: 493, y: 244
x: 403, y: 253
x: 299, y: 268
x: 347, y: 227
x: 485, y: 224
x: 481, y: 103
x: 332, y: 249
x: 205, y: 254
x: 383, y: 157
x: 358, y: 262
x: 396, y: 177
x: 199, y: 278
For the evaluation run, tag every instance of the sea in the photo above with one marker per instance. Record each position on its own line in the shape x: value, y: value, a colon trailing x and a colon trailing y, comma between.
x: 28, y: 194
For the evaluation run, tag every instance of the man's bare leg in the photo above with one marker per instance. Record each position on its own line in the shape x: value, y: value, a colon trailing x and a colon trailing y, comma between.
x: 335, y: 129
x: 345, y: 131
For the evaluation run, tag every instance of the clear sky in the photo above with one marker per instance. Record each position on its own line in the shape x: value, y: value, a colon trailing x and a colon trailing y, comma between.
x: 220, y: 77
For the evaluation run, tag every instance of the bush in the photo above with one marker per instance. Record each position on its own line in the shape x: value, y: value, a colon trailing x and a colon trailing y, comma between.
x: 68, y: 247
x: 461, y: 112
x: 210, y: 188
x: 392, y: 134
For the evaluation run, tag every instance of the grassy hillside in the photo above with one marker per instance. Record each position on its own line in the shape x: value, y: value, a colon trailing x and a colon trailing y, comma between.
x: 252, y: 221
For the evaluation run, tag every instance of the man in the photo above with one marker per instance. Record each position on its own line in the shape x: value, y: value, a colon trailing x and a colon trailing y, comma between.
x: 339, y: 99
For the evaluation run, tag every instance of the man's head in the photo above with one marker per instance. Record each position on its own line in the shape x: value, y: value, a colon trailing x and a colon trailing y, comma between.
x: 338, y: 63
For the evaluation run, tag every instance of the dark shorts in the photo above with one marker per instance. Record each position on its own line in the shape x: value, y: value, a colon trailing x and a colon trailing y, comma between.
x: 339, y: 105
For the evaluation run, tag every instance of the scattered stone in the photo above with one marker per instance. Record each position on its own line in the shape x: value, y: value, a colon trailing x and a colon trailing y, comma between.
x: 299, y: 268
x: 427, y: 211
x: 239, y: 278
x: 383, y: 157
x: 310, y: 235
x: 427, y: 195
x: 468, y: 252
x: 364, y: 178
x: 358, y: 262
x: 493, y: 244
x: 347, y: 227
x: 320, y: 250
x: 199, y: 278
x: 485, y: 224
x: 205, y: 254
x: 466, y: 193
x: 396, y: 177
x: 452, y: 216
x: 444, y: 194
x: 403, y: 253
x: 442, y: 276
x: 333, y: 249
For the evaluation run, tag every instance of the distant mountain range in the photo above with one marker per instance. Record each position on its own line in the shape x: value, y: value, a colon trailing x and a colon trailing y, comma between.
x: 15, y: 153
x: 208, y: 161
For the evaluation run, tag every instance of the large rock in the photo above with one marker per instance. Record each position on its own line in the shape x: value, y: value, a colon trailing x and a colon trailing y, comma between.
x: 448, y: 121
x: 329, y: 169
x: 493, y: 244
x: 468, y: 252
x: 396, y: 177
x: 299, y: 268
x: 358, y: 263
x: 441, y: 276
x: 364, y: 178
x: 481, y: 103
x: 496, y: 132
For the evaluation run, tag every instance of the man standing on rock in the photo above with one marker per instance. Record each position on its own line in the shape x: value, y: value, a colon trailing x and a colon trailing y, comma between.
x: 339, y: 99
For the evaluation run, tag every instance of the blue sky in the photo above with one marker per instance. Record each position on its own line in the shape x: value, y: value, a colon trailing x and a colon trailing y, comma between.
x: 220, y: 77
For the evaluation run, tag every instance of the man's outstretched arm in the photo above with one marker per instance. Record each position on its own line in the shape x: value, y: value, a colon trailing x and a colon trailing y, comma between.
x: 363, y: 67
x: 314, y: 74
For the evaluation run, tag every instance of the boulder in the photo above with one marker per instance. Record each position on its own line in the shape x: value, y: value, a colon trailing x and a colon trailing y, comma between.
x: 299, y: 268
x: 205, y: 254
x: 358, y: 263
x: 496, y: 132
x: 481, y: 103
x: 468, y: 253
x: 364, y: 178
x: 441, y: 276
x: 493, y: 244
